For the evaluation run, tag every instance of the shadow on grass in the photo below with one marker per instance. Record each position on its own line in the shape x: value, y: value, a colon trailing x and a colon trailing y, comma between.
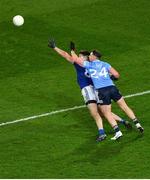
x: 93, y: 152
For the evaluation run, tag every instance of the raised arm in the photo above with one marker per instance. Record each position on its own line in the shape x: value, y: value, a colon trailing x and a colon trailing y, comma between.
x: 72, y: 49
x: 73, y: 54
x: 75, y: 57
x: 62, y: 53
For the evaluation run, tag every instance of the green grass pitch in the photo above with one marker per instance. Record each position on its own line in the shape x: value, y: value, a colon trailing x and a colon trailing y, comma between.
x: 35, y: 80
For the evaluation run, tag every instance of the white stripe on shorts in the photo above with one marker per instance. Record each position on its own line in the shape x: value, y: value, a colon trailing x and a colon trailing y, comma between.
x: 89, y: 94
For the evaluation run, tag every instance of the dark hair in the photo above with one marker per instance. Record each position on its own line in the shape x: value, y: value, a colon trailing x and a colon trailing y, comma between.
x: 84, y: 53
x: 96, y: 53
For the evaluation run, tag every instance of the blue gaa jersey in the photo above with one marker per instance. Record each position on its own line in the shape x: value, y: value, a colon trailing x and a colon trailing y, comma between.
x: 99, y: 73
x: 83, y: 77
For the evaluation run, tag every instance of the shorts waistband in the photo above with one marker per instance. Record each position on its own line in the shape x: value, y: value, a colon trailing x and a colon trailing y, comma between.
x: 105, y: 87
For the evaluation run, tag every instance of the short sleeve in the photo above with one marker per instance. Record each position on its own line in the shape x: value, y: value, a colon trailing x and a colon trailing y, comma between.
x: 108, y: 66
x: 86, y: 64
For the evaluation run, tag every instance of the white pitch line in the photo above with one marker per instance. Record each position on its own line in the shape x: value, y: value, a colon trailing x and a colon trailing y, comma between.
x: 42, y: 115
x: 137, y: 94
x: 64, y: 110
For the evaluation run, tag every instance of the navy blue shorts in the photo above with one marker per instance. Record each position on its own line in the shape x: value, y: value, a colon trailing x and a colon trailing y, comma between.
x: 107, y: 94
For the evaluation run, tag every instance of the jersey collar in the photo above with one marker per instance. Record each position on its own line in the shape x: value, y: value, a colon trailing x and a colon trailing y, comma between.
x: 96, y: 60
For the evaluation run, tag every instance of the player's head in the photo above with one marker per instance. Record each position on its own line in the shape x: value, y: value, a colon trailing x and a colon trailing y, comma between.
x: 84, y: 54
x: 95, y: 55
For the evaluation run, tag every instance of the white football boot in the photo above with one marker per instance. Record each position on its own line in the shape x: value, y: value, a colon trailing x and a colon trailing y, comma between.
x: 117, y: 136
x: 139, y: 127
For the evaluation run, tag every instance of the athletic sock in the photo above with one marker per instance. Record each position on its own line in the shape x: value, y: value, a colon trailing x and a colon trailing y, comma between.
x: 116, y: 128
x: 136, y: 122
x: 122, y: 121
x: 101, y: 131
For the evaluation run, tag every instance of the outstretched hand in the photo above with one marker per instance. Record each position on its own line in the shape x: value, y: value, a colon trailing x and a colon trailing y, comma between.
x: 72, y: 46
x: 52, y: 43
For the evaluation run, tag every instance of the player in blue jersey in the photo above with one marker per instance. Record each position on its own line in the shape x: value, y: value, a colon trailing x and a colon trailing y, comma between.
x: 107, y: 91
x: 89, y: 94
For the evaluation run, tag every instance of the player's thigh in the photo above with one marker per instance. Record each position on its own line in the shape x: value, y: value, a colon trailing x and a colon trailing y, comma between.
x: 88, y: 94
x: 121, y: 103
x: 104, y: 96
x: 98, y: 103
x: 100, y: 110
x: 93, y: 109
x: 106, y: 109
x: 97, y: 97
x: 115, y: 94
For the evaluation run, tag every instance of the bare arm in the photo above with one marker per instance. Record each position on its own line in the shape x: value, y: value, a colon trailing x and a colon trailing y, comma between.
x: 64, y: 54
x: 75, y: 57
x: 73, y: 54
x: 71, y: 58
x: 114, y: 72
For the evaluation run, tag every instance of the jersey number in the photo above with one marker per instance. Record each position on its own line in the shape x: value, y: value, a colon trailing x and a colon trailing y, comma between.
x: 87, y: 74
x: 103, y: 73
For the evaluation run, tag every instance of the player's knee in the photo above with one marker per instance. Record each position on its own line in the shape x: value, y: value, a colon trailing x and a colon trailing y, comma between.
x: 104, y: 111
x: 94, y: 113
x: 101, y: 114
x: 107, y: 114
x: 100, y: 111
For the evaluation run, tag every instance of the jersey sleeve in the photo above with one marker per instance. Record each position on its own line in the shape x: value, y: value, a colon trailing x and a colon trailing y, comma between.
x: 86, y: 64
x: 108, y: 66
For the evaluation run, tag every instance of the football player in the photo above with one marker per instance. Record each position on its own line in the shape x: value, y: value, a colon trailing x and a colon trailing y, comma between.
x: 99, y: 72
x: 89, y: 94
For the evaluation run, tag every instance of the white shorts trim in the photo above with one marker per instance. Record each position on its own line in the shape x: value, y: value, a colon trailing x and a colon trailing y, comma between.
x: 90, y: 94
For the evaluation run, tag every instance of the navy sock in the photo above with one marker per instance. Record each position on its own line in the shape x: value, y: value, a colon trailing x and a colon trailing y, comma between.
x: 122, y: 121
x: 116, y: 128
x: 101, y: 131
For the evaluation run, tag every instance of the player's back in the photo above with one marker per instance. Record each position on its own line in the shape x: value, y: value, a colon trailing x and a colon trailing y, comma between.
x: 99, y: 72
x: 83, y: 77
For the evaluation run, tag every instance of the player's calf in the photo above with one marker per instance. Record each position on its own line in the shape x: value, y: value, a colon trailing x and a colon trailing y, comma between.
x: 122, y: 104
x: 106, y: 109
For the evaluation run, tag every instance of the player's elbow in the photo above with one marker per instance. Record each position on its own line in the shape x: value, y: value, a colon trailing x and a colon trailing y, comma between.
x: 114, y: 73
x: 117, y: 75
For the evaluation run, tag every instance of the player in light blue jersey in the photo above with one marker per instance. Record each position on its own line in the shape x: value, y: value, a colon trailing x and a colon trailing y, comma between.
x: 107, y: 91
x: 89, y: 94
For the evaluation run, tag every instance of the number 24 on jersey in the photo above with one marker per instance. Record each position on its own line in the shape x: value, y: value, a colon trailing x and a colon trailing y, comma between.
x: 95, y: 74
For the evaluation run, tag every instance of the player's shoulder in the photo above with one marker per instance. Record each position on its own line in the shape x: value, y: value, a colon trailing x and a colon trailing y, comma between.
x: 100, y: 62
x: 97, y: 61
x: 105, y: 63
x: 87, y: 62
